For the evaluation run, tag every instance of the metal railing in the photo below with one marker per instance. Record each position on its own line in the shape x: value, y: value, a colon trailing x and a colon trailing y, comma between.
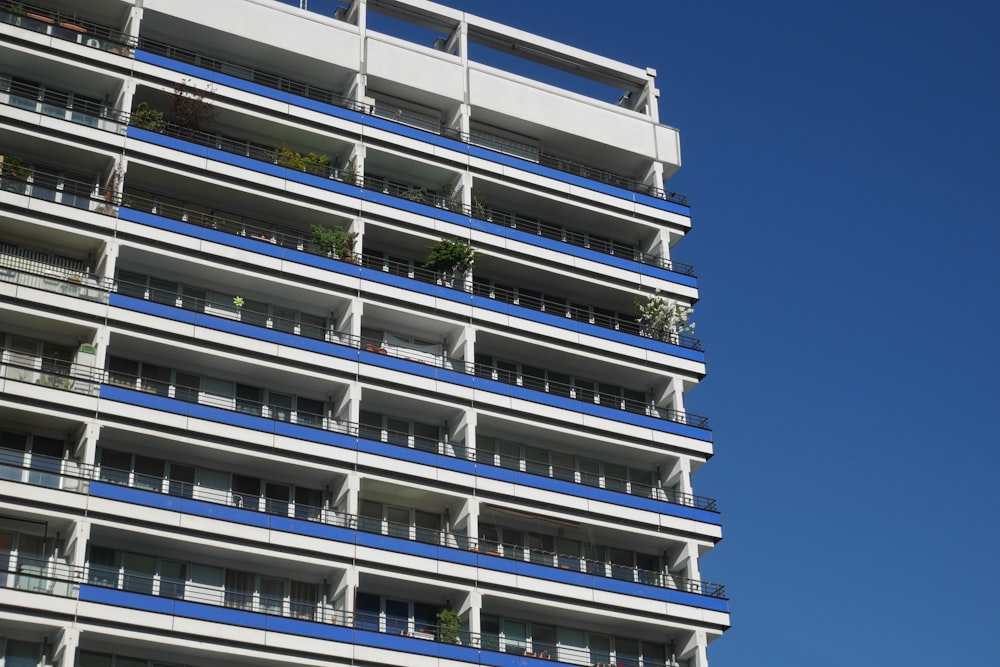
x: 421, y: 195
x: 46, y: 183
x: 68, y: 28
x: 72, y: 476
x: 266, y: 79
x: 571, y: 390
x: 42, y: 575
x: 58, y: 280
x: 66, y: 375
x: 34, y: 274
x: 298, y: 239
x: 410, y: 118
x: 114, y: 41
x: 63, y: 105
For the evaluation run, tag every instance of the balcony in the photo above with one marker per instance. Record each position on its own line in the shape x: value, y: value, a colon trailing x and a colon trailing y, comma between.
x: 53, y: 102
x: 287, y: 90
x: 298, y: 239
x: 540, y: 385
x: 63, y: 27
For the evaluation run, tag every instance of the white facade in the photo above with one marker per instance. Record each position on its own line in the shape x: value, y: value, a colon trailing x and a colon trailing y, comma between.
x: 221, y: 443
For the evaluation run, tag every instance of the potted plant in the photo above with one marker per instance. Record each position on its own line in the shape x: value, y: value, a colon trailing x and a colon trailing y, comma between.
x: 310, y: 163
x: 147, y: 118
x: 335, y: 241
x: 449, y: 626
x: 414, y: 194
x: 451, y: 257
x: 14, y: 173
x: 663, y: 319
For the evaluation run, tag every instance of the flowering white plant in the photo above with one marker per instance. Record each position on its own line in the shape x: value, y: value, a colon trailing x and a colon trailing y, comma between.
x: 664, y: 319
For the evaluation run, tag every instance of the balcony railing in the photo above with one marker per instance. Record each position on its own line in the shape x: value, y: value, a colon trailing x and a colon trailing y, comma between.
x: 33, y: 274
x: 48, y: 184
x: 63, y: 105
x: 297, y: 239
x: 546, y: 385
x: 49, y: 22
x: 71, y: 476
x: 58, y: 280
x: 479, y: 138
x: 51, y: 372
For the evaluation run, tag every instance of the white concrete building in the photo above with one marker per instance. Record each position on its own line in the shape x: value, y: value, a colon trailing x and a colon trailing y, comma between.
x: 224, y: 443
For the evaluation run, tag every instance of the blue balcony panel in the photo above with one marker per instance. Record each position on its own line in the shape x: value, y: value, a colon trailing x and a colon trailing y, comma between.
x: 700, y: 601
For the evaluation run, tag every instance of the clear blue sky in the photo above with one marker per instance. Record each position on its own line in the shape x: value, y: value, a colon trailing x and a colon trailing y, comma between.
x: 842, y: 163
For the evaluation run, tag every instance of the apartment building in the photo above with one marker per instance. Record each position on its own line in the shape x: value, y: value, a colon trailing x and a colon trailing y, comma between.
x: 341, y: 334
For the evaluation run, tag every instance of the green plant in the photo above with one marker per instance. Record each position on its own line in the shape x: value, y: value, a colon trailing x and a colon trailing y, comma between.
x: 312, y: 163
x: 449, y: 626
x: 16, y: 8
x: 12, y: 166
x: 663, y: 319
x: 238, y: 301
x: 414, y: 194
x: 350, y: 175
x: 451, y: 255
x: 334, y: 241
x: 147, y: 118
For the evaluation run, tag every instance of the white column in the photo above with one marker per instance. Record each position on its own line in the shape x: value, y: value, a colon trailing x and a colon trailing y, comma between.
x: 694, y: 650
x: 471, y: 609
x: 64, y: 649
x: 679, y: 474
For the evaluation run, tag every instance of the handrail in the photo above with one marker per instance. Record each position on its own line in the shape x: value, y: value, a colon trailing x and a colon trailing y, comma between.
x: 69, y: 28
x: 290, y: 237
x: 45, y: 469
x: 536, y: 383
x: 112, y: 40
x: 404, y: 117
x: 66, y: 375
x: 81, y: 112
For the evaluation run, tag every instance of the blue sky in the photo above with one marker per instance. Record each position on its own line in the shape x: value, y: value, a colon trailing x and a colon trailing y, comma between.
x: 842, y: 163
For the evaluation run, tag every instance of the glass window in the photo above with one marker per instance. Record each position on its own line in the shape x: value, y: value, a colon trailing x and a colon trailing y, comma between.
x: 246, y: 492
x: 239, y: 589
x: 12, y: 448
x: 303, y: 600
x: 600, y: 649
x: 397, y: 616
x: 123, y: 372
x: 172, y: 577
x: 309, y: 411
x: 149, y: 473
x: 181, y: 480
x: 427, y: 526
x: 308, y: 503
x: 490, y: 632
x: 272, y: 595
x: 115, y: 466
x: 515, y: 636
x: 103, y: 566
x: 186, y: 387
x: 248, y: 399
x: 139, y: 572
x: 92, y: 659
x: 22, y: 654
